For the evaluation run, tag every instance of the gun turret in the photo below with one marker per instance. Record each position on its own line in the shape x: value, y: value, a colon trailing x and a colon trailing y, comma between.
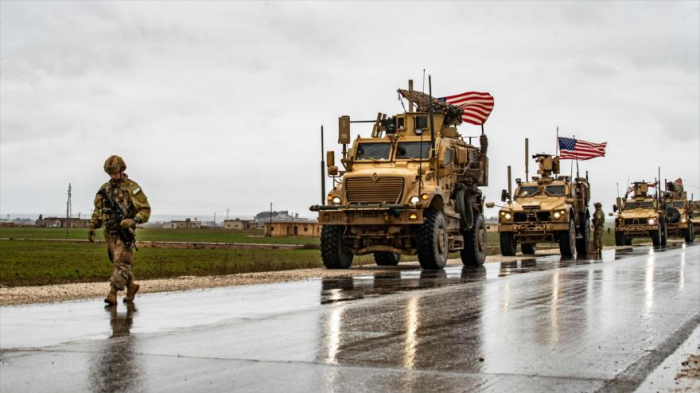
x: 548, y: 165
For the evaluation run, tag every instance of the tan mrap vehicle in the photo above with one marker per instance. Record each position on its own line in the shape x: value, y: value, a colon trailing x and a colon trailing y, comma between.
x: 640, y: 216
x: 694, y: 207
x: 410, y: 188
x: 550, y: 208
x: 677, y: 212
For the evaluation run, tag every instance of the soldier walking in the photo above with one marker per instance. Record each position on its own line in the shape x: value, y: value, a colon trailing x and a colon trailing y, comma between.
x: 120, y: 204
x: 598, y: 224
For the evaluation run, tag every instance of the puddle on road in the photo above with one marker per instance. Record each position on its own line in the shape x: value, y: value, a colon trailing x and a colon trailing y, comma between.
x: 394, y: 280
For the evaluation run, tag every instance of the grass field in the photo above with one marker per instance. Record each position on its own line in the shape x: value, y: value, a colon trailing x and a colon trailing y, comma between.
x: 47, y: 262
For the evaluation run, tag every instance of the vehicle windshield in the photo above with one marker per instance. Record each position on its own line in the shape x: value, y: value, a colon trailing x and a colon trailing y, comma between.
x: 527, y: 191
x: 373, y: 151
x: 555, y: 190
x: 678, y: 204
x: 635, y: 205
x: 412, y: 150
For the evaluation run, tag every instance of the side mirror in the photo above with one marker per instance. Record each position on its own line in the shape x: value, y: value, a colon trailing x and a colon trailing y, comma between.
x: 330, y: 158
x: 570, y: 201
x: 504, y: 195
x: 490, y: 204
x: 333, y: 170
x: 610, y: 214
x: 614, y: 208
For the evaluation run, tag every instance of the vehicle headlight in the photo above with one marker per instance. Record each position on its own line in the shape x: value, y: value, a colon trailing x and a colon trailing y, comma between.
x: 414, y: 200
x: 683, y: 219
x: 336, y: 200
x: 651, y: 221
x: 557, y: 215
x: 506, y: 216
x: 424, y: 197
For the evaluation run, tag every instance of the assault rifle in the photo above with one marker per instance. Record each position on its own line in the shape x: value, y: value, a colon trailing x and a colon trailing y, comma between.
x: 117, y: 214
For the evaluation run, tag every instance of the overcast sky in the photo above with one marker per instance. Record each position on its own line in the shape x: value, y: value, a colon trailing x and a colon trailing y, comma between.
x: 218, y: 105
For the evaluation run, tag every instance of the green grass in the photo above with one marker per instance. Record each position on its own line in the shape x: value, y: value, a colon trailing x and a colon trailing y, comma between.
x: 45, y: 262
x: 41, y: 263
x: 174, y: 235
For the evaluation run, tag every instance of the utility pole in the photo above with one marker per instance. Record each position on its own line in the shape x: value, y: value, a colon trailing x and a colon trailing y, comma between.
x: 68, y: 209
x: 227, y: 210
x: 270, y: 219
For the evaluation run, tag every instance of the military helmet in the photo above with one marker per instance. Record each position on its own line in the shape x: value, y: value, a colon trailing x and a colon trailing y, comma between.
x: 114, y: 164
x: 598, y: 204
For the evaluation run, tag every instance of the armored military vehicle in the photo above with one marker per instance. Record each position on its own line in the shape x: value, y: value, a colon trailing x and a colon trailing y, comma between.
x: 694, y: 207
x: 678, y: 212
x: 412, y: 187
x: 639, y: 216
x: 548, y: 208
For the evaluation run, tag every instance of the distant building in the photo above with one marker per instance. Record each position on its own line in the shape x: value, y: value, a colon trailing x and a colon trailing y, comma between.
x: 297, y: 227
x: 62, y: 222
x: 186, y: 224
x: 240, y: 224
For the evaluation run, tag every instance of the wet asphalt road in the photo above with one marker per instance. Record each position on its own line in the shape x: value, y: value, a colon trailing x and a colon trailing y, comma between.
x: 545, y: 324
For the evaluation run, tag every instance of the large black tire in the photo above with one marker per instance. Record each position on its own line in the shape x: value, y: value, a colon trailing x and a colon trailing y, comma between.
x: 656, y: 237
x: 673, y: 216
x: 582, y: 243
x: 620, y: 239
x: 432, y: 241
x: 387, y: 258
x: 474, y: 252
x: 528, y: 249
x: 567, y: 240
x: 690, y: 233
x: 332, y: 252
x: 508, y: 244
x: 664, y: 234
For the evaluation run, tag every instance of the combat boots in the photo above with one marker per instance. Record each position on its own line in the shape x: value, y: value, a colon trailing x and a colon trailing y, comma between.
x: 131, y: 292
x: 111, y: 298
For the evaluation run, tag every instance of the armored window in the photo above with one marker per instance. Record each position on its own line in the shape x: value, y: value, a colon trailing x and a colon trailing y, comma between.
x: 400, y: 123
x: 449, y: 156
x: 678, y: 204
x: 648, y: 205
x: 527, y: 191
x: 421, y: 122
x: 555, y: 190
x: 373, y: 151
x: 412, y: 150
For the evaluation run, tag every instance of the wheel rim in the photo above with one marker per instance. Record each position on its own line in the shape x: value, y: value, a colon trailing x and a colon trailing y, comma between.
x: 441, y: 240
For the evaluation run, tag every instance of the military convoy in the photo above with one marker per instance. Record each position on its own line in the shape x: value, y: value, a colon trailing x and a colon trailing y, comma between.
x: 548, y: 208
x: 641, y: 215
x: 411, y: 188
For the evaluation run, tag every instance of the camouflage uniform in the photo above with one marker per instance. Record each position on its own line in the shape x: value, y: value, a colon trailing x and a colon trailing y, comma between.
x: 129, y: 195
x: 598, y: 224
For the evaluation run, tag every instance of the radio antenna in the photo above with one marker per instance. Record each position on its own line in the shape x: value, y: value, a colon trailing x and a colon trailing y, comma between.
x: 423, y: 80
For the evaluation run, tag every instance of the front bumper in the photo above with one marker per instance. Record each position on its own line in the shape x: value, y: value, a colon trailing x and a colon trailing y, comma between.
x: 386, y: 214
x: 636, y: 230
x: 534, y: 232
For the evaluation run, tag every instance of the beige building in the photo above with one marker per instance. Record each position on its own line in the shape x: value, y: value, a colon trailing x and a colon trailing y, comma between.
x: 278, y: 228
x: 62, y: 222
x: 186, y: 224
x: 240, y: 224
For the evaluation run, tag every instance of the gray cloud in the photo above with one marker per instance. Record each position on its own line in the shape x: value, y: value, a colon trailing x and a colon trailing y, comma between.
x: 218, y: 104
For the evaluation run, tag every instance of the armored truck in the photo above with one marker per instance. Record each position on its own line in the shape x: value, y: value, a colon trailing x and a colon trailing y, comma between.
x: 678, y: 213
x: 639, y: 216
x: 694, y: 207
x: 411, y: 188
x: 547, y: 208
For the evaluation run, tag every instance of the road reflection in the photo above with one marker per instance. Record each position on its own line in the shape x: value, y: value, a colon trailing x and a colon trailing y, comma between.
x: 116, y: 367
x: 498, y: 323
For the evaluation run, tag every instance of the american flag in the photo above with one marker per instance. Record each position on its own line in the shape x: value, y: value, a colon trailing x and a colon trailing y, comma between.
x: 477, y: 106
x: 574, y: 149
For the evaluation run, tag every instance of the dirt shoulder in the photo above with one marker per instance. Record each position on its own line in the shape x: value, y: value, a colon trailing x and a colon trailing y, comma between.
x: 77, y: 291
